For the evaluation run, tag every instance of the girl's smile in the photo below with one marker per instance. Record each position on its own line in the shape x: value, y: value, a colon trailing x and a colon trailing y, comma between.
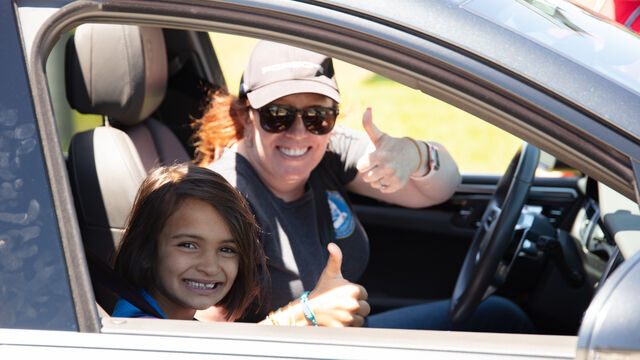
x: 202, y: 287
x: 197, y: 260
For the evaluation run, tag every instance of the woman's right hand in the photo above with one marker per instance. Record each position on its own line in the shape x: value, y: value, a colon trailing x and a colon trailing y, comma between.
x: 336, y: 301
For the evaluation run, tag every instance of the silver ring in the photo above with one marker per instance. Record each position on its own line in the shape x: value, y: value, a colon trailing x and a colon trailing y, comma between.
x: 382, y: 186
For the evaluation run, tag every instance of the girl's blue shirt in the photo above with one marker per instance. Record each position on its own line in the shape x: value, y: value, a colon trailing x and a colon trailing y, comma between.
x: 124, y: 308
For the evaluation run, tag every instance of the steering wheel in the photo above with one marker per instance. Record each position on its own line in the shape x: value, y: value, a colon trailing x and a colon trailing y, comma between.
x: 494, y: 234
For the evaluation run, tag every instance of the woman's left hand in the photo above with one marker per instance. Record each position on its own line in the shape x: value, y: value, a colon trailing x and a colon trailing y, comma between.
x: 392, y: 161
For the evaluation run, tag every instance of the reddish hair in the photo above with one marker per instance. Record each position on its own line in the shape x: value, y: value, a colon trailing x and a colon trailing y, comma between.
x: 221, y: 126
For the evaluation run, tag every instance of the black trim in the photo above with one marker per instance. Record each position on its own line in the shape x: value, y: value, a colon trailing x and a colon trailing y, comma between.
x: 636, y: 178
x: 102, y: 273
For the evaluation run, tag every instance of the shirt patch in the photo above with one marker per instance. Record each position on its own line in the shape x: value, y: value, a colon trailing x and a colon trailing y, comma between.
x: 343, y: 223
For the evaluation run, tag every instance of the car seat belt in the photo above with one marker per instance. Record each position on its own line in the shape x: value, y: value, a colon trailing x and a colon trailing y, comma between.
x: 103, y: 274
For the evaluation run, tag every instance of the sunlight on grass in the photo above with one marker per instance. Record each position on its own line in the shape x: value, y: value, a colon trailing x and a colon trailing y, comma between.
x: 477, y: 146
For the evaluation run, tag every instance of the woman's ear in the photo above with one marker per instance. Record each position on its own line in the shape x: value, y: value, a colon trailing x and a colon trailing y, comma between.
x: 249, y: 122
x: 250, y: 118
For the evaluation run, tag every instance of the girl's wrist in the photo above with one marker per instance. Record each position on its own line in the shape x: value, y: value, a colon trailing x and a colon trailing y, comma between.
x: 306, y: 308
x: 290, y: 315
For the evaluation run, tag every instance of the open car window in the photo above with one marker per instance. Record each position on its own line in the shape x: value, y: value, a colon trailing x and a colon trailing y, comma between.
x: 438, y: 236
x: 561, y: 251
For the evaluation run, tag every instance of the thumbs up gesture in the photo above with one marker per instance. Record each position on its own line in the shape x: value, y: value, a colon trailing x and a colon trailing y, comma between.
x: 393, y: 160
x: 335, y: 301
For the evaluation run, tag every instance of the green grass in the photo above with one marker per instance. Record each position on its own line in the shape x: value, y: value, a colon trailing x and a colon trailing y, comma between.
x: 477, y: 146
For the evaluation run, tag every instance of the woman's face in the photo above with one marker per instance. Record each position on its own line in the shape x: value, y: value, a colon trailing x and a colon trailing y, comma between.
x: 197, y: 260
x: 285, y: 160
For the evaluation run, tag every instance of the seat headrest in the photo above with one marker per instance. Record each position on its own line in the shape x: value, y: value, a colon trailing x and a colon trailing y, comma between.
x: 119, y: 71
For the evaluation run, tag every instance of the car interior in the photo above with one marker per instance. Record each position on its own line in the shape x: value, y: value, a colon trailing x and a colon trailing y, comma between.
x: 558, y: 254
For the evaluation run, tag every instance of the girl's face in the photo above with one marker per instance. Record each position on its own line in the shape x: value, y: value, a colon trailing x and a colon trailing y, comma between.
x: 285, y: 160
x: 197, y: 260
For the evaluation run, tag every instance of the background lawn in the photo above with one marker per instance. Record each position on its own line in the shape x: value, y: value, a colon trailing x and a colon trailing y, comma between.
x: 477, y: 146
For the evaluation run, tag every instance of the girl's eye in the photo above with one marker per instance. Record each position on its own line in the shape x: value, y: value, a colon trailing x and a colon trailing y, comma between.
x: 187, y: 245
x: 228, y: 250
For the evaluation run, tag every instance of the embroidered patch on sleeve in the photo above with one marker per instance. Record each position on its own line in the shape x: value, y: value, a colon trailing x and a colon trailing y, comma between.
x: 341, y: 215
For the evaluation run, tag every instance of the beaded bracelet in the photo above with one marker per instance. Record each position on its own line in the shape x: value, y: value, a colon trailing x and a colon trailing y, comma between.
x: 304, y: 298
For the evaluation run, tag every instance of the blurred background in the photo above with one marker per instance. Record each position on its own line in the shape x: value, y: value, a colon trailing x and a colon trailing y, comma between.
x: 397, y: 110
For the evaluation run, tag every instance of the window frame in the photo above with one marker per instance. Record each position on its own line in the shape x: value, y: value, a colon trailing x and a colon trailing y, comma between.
x: 449, y: 75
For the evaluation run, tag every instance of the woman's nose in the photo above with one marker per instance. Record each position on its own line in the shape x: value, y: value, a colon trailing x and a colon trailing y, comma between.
x: 297, y: 129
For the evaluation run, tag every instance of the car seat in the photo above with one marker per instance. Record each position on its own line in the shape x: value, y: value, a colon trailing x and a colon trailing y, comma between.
x: 120, y: 72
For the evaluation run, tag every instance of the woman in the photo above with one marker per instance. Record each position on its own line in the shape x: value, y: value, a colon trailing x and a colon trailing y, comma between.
x: 276, y: 144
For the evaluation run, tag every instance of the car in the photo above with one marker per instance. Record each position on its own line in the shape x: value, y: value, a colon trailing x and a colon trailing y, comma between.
x: 565, y: 248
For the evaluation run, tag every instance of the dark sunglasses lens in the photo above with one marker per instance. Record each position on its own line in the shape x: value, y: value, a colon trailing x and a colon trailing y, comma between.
x: 319, y: 120
x: 276, y: 119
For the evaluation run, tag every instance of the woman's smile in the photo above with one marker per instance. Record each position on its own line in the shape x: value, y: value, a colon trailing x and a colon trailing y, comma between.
x: 293, y: 151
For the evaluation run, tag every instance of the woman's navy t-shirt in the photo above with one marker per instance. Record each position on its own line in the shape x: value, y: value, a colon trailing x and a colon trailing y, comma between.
x: 295, y: 234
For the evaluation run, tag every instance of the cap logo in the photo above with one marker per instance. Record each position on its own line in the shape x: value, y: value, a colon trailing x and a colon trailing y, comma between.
x: 293, y: 65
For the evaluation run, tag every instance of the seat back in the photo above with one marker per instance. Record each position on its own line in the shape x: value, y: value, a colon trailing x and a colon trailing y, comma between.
x: 120, y: 72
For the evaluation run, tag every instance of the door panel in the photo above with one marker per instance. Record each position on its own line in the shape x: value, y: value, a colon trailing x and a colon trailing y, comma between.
x: 416, y: 254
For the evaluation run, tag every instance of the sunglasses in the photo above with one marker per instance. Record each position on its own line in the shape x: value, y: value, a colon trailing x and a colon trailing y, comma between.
x: 318, y: 120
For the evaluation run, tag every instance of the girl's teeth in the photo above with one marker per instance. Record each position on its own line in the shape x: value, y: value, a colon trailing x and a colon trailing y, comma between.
x: 293, y: 152
x: 201, y: 285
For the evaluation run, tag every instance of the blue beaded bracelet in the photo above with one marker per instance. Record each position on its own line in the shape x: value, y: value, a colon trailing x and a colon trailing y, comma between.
x: 304, y: 298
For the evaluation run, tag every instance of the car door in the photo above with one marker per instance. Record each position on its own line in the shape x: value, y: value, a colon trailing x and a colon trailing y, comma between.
x: 439, y: 236
x: 36, y: 290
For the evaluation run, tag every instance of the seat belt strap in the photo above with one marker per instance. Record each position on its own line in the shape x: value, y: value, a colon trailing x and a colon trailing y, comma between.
x: 102, y: 273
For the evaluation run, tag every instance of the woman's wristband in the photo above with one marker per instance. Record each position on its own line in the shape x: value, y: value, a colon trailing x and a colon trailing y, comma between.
x: 304, y: 299
x: 434, y: 157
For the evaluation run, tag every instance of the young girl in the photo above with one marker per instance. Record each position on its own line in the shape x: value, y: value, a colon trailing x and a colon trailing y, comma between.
x: 191, y: 243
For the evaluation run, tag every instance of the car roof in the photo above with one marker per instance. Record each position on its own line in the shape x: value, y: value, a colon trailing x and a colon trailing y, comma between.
x: 552, y: 44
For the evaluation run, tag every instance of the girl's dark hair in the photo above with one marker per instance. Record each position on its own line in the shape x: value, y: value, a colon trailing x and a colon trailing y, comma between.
x: 158, y: 198
x: 221, y: 125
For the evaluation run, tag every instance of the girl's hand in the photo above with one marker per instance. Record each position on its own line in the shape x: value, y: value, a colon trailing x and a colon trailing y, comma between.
x: 392, y: 160
x: 335, y: 301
